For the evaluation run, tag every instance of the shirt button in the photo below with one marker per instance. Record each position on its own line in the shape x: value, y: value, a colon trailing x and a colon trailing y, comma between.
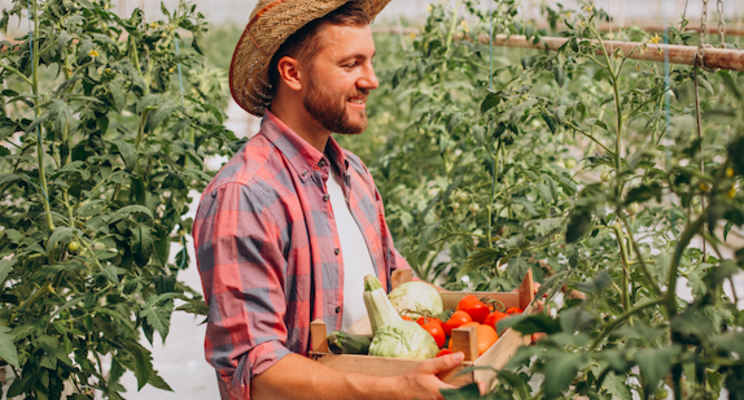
x: 304, y: 173
x: 326, y: 197
x: 338, y: 310
x: 322, y: 163
x: 337, y: 251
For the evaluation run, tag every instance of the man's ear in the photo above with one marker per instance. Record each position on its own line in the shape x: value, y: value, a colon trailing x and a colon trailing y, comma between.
x: 290, y: 72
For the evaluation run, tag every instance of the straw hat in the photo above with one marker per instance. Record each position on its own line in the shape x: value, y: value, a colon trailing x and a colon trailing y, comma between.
x: 271, y: 23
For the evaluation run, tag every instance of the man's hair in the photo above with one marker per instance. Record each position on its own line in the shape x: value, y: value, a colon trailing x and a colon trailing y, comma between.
x: 304, y: 44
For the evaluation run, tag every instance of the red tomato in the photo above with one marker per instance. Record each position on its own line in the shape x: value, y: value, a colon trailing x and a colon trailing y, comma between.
x: 407, y: 318
x: 423, y: 320
x: 473, y: 306
x: 444, y: 352
x: 514, y: 310
x: 458, y: 318
x: 436, y: 331
x: 486, y: 337
x: 493, y: 318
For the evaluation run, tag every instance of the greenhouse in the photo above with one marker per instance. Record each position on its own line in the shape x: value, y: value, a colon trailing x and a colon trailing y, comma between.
x: 351, y: 199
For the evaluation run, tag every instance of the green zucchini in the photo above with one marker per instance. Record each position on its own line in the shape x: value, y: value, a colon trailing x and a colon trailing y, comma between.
x: 340, y: 342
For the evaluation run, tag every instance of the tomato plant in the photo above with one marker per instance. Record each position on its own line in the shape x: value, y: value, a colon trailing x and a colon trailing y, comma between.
x: 588, y: 168
x: 100, y: 152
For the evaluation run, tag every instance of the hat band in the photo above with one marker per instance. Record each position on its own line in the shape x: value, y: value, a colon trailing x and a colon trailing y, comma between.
x: 263, y: 11
x: 256, y: 43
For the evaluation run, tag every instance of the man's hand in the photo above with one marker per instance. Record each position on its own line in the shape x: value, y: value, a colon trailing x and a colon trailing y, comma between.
x: 421, y: 382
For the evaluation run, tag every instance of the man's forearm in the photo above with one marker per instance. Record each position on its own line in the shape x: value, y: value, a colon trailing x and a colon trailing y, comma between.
x: 295, y: 377
x: 298, y: 378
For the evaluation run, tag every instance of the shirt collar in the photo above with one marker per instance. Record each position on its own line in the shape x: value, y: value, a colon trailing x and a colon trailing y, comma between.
x: 303, y: 157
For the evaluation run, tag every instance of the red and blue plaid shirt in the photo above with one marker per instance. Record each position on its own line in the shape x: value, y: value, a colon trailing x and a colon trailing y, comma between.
x: 269, y: 253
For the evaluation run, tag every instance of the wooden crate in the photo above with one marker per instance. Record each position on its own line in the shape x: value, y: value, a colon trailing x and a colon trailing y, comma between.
x: 463, y: 339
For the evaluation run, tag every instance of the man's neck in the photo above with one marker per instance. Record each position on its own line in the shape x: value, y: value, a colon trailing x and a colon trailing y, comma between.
x: 313, y: 133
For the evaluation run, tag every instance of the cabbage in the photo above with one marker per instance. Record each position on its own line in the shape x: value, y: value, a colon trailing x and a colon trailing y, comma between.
x: 403, y: 339
x: 416, y: 299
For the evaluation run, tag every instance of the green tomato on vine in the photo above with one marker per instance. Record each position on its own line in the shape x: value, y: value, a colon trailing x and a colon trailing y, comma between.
x: 73, y: 246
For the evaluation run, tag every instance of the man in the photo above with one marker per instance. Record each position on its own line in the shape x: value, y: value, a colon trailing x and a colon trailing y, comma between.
x: 290, y: 225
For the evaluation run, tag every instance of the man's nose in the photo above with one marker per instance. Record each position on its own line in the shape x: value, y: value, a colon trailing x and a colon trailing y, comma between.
x: 369, y: 79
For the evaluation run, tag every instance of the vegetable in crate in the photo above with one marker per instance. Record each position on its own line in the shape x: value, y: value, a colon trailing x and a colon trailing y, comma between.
x: 477, y: 310
x: 379, y: 308
x: 340, y: 342
x: 416, y: 299
x: 403, y: 339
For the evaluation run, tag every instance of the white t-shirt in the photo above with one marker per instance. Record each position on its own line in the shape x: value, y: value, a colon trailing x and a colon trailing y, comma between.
x: 357, y: 261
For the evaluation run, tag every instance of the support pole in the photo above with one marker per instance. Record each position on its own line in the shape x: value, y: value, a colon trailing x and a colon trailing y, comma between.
x: 714, y: 57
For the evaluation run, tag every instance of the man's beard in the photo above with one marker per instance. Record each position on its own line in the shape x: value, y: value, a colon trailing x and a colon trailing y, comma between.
x: 330, y: 112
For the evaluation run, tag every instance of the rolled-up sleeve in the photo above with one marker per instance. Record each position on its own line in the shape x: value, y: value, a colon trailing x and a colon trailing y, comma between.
x: 240, y: 257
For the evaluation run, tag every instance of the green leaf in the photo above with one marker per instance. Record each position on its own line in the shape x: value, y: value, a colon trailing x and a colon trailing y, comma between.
x: 655, y: 364
x: 5, y: 267
x: 142, y: 362
x: 110, y: 273
x: 519, y: 110
x: 154, y: 119
x: 575, y: 319
x: 718, y: 274
x: 529, y: 324
x: 561, y: 370
x: 559, y: 74
x: 142, y: 244
x: 8, y: 350
x: 158, y: 382
x: 492, y: 100
x: 644, y: 193
x: 730, y: 342
x: 128, y: 153
x: 639, y: 330
x: 134, y: 209
x: 597, y: 284
x: 61, y: 233
x: 736, y: 154
x: 616, y: 360
x: 579, y: 223
x: 159, y: 316
x: 616, y: 386
x: 551, y: 121
x: 467, y: 392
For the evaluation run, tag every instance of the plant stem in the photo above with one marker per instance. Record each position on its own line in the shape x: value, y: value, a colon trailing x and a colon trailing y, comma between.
x: 618, y: 107
x: 39, y: 145
x: 684, y: 240
x: 141, y: 130
x: 589, y: 135
x: 624, y: 258
x: 453, y: 24
x: 494, y: 180
x: 651, y: 281
x: 17, y: 72
x: 626, y: 315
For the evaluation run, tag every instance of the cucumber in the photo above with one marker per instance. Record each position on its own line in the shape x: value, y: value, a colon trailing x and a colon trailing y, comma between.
x: 340, y: 342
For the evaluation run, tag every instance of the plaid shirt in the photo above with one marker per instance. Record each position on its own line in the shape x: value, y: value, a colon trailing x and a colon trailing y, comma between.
x: 268, y: 250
